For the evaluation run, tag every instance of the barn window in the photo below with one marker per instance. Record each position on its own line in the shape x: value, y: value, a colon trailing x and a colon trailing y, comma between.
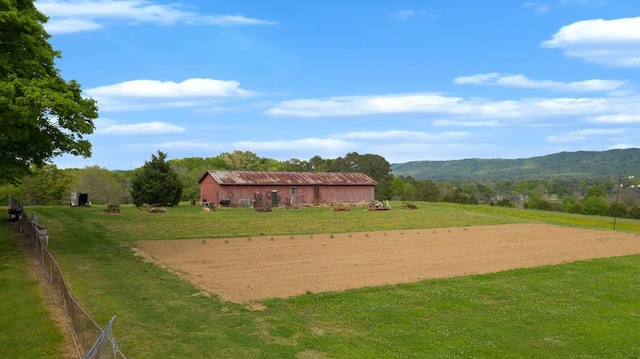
x: 293, y: 190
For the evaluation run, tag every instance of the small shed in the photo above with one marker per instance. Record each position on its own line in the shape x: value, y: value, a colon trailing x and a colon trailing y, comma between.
x: 239, y: 188
x: 79, y: 199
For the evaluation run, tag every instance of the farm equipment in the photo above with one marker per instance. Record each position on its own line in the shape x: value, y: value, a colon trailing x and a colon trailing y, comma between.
x: 407, y: 205
x: 261, y: 203
x: 379, y: 206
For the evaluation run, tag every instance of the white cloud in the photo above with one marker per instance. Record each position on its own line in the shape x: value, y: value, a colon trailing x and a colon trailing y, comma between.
x: 196, y: 87
x: 176, y: 146
x: 618, y: 118
x: 521, y: 81
x: 477, y: 109
x: 68, y: 16
x: 605, y: 42
x: 139, y: 95
x: 476, y: 79
x: 585, y: 134
x: 144, y: 128
x: 401, y: 135
x: 307, y: 143
x: 66, y: 26
x: 107, y: 104
x: 364, y: 105
x: 457, y: 123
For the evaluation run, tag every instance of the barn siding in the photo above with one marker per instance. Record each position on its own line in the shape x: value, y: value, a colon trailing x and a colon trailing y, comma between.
x: 209, y: 190
x: 212, y: 191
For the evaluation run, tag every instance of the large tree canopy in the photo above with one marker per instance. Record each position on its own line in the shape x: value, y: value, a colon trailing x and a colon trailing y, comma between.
x: 41, y: 114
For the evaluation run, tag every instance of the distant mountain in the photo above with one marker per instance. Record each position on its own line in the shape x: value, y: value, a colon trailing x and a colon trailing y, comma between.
x: 569, y: 165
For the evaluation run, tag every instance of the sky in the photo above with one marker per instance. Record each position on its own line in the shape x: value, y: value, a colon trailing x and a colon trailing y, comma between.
x: 407, y: 80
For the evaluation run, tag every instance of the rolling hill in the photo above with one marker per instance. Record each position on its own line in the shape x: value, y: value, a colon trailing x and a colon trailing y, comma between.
x: 569, y: 165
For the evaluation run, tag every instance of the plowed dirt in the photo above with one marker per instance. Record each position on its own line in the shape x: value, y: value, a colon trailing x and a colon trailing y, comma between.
x: 246, y: 270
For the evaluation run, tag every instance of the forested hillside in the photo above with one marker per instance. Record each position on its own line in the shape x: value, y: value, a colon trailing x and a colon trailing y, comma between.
x: 565, y: 165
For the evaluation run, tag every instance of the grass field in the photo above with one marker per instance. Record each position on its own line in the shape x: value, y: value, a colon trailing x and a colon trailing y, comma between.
x: 27, y: 331
x: 584, y: 309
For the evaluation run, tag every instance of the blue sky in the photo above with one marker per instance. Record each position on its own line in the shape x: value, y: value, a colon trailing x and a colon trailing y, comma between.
x: 407, y: 80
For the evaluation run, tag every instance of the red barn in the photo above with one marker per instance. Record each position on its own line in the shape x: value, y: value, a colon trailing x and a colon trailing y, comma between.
x: 239, y: 188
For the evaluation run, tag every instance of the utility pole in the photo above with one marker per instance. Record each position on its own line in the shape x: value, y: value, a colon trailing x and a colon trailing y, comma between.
x: 615, y: 211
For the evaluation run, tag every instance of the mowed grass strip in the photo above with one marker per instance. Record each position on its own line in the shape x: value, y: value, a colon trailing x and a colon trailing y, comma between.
x: 579, y: 310
x: 27, y: 330
x: 582, y: 309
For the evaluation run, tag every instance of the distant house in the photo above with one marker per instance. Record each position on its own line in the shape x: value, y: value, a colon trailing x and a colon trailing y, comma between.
x: 239, y: 188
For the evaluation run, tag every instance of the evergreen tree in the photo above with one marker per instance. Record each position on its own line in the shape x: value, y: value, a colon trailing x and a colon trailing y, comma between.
x: 156, y: 182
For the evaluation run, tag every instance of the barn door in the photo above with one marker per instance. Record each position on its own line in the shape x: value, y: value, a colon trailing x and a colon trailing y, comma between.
x: 316, y: 195
x: 274, y: 198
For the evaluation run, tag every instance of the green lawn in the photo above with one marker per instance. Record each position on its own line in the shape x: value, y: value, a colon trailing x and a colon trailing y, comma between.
x: 586, y: 309
x: 26, y: 328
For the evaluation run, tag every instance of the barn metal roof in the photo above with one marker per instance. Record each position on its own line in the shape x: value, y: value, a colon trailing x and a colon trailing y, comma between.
x: 289, y: 178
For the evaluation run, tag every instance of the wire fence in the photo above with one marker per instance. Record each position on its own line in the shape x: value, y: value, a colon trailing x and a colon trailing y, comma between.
x: 91, y: 341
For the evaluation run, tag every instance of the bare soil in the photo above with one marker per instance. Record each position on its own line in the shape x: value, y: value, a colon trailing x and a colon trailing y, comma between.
x: 246, y: 270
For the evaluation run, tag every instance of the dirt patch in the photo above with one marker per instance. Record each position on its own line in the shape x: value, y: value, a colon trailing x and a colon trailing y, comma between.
x: 245, y: 270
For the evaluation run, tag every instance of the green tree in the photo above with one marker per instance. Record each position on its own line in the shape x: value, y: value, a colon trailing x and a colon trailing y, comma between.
x: 191, y: 169
x: 102, y: 185
x: 596, y: 192
x: 426, y: 190
x: 595, y: 206
x: 571, y: 205
x: 596, y: 202
x: 156, y: 182
x: 459, y: 197
x: 537, y: 201
x: 294, y: 165
x: 399, y: 189
x: 41, y: 114
x: 46, y: 185
x: 248, y: 161
x: 374, y: 166
x: 617, y: 210
x: 317, y: 164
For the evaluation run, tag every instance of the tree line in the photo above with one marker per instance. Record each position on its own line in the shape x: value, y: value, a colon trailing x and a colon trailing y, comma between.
x: 179, y: 182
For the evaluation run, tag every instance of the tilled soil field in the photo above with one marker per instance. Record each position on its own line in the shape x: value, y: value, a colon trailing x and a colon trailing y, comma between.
x: 246, y: 270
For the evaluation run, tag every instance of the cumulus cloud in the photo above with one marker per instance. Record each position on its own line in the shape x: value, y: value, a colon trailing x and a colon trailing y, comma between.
x: 69, y: 16
x: 605, y: 42
x: 435, y: 104
x: 149, y: 94
x: 196, y: 87
x: 618, y: 118
x: 521, y: 81
x: 364, y: 105
x: 144, y: 128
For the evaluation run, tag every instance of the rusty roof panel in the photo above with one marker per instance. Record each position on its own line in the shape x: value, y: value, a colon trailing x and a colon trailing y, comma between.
x: 290, y: 178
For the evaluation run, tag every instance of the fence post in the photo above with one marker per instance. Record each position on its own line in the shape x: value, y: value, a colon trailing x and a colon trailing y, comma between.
x: 101, y: 338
